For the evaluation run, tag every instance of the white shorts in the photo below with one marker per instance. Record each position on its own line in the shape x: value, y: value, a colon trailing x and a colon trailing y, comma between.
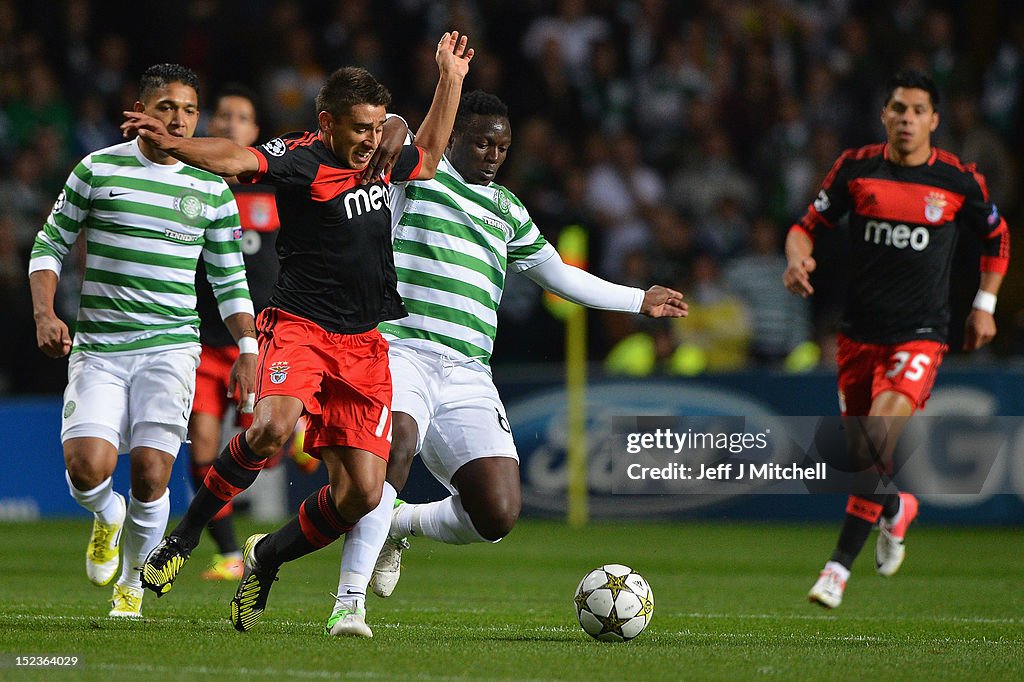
x: 131, y: 401
x: 458, y: 413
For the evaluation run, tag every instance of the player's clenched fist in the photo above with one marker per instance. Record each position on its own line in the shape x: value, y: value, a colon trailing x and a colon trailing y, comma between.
x: 53, y: 337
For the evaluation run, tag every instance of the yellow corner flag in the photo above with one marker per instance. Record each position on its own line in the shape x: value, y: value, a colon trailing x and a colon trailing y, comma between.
x: 572, y: 246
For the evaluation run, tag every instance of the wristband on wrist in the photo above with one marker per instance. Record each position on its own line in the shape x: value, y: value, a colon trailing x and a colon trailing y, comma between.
x: 986, y: 301
x: 248, y: 346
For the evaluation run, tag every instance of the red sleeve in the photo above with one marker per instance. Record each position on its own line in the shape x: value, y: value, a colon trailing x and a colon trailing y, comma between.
x: 258, y: 175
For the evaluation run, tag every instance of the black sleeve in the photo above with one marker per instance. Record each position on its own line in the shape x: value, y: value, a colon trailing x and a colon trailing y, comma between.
x: 980, y: 216
x: 833, y: 200
x: 408, y: 165
x: 289, y: 160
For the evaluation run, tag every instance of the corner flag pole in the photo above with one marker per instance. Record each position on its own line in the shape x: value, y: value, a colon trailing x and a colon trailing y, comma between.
x: 572, y: 246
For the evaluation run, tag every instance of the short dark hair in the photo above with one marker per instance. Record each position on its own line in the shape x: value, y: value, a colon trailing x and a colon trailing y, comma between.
x: 478, y: 103
x: 235, y: 89
x: 348, y: 87
x: 911, y: 78
x: 161, y: 75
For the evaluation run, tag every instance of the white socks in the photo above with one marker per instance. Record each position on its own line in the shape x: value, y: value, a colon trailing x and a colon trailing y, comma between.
x: 360, y: 550
x: 143, y: 528
x: 446, y: 521
x: 144, y: 524
x: 101, y: 500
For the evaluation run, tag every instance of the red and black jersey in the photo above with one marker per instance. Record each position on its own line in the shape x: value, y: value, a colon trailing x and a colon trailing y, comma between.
x: 337, y: 265
x: 904, y: 223
x: 257, y: 212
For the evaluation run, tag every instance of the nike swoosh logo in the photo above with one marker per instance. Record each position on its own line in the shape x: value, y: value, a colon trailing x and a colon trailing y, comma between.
x: 355, y: 592
x: 116, y: 194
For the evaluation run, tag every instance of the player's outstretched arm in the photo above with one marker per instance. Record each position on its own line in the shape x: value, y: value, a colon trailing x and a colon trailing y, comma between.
x: 579, y: 286
x: 453, y: 59
x: 800, y: 263
x: 215, y: 154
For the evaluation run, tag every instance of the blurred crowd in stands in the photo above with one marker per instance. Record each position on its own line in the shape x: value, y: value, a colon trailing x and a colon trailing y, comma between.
x: 685, y: 137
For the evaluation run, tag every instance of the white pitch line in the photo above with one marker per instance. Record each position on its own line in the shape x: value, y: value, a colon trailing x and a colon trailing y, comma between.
x: 231, y: 671
x: 844, y: 617
x: 977, y: 620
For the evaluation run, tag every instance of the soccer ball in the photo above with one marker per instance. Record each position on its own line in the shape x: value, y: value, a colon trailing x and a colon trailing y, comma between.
x: 614, y: 603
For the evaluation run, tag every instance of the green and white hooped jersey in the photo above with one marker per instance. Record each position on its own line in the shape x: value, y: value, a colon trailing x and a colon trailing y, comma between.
x: 453, y: 242
x: 145, y: 226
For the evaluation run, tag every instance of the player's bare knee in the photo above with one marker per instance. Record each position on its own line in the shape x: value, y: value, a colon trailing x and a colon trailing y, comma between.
x: 150, y: 472
x: 495, y: 521
x: 148, y: 488
x: 267, y: 436
x: 353, y: 508
x: 85, y: 474
x: 356, y: 499
x: 370, y: 497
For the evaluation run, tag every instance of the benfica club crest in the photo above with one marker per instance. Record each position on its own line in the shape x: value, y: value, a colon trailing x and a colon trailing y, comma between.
x: 278, y: 372
x: 934, y: 206
x: 261, y: 211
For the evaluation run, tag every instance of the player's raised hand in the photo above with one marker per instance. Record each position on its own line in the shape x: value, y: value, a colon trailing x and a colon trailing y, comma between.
x: 452, y: 55
x: 148, y: 128
x: 979, y: 329
x: 797, y: 276
x: 52, y: 336
x: 661, y: 301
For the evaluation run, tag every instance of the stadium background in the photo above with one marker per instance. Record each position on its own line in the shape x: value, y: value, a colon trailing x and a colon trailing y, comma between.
x: 683, y: 137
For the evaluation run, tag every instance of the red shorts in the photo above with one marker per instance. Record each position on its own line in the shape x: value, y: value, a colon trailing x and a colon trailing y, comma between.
x: 866, y: 370
x: 212, y: 379
x: 343, y: 380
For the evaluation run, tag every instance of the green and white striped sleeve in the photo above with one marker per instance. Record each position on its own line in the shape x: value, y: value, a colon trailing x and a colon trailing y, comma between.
x: 528, y: 247
x: 65, y: 222
x: 222, y: 254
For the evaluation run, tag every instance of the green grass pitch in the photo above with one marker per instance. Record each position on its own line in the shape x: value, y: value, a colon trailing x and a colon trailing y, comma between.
x: 730, y: 605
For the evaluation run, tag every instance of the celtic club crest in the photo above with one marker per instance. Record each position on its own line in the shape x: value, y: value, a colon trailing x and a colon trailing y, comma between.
x: 502, y: 200
x: 190, y: 206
